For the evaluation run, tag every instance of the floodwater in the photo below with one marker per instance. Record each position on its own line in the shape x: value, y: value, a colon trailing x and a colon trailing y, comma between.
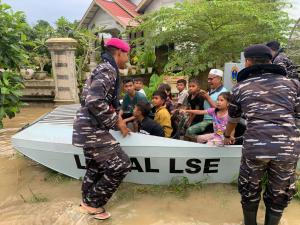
x: 31, y: 194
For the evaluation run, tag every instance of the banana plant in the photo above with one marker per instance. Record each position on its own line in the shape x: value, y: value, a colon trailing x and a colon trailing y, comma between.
x: 155, y: 81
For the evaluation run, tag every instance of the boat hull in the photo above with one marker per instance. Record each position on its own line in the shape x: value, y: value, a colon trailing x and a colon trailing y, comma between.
x: 155, y: 160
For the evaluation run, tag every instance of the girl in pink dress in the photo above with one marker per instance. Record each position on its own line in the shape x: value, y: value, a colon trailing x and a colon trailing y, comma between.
x: 220, y: 119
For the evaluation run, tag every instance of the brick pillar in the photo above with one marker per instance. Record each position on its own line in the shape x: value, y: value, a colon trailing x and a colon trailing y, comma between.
x: 64, y: 69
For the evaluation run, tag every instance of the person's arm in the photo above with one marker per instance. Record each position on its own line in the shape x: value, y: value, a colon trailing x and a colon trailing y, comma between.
x: 121, y: 112
x: 195, y: 111
x: 297, y: 107
x: 234, y: 116
x: 123, y: 106
x: 97, y: 104
x: 129, y: 119
x: 206, y: 96
x: 228, y: 134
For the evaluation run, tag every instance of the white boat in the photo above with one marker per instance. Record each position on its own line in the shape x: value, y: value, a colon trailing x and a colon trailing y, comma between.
x: 155, y: 160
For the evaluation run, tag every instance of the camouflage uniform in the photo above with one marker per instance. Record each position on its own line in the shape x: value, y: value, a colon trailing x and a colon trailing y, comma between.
x: 282, y: 60
x: 106, y: 163
x: 271, y: 105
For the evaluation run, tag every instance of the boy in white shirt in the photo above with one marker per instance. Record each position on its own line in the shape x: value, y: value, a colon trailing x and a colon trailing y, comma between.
x: 138, y: 85
x: 182, y: 93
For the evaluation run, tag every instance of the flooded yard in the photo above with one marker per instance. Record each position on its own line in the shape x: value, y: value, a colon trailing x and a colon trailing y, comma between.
x: 31, y: 194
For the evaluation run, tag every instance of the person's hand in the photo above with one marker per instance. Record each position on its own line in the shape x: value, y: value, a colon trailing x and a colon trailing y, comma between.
x: 229, y: 141
x: 182, y: 111
x: 123, y: 128
x: 204, y: 94
x: 174, y: 111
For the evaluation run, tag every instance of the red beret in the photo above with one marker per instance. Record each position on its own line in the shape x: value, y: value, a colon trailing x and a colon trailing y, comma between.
x: 118, y: 43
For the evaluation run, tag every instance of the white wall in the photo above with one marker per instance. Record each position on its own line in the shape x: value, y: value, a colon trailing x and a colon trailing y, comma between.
x: 294, y: 12
x: 157, y: 4
x: 136, y: 2
x: 101, y: 18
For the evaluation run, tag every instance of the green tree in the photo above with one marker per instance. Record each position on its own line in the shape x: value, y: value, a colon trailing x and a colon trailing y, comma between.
x: 84, y: 38
x: 12, y: 26
x: 12, y: 57
x: 208, y: 33
x: 65, y: 28
x: 42, y: 31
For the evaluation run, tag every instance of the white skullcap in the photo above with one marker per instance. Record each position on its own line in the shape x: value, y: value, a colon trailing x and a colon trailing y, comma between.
x: 216, y: 72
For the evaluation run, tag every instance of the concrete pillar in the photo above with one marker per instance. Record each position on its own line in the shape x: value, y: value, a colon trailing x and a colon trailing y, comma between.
x: 93, y: 63
x: 64, y: 69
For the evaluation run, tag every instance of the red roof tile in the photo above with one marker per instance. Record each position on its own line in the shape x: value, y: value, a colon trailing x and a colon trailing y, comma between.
x: 128, y: 6
x: 117, y: 12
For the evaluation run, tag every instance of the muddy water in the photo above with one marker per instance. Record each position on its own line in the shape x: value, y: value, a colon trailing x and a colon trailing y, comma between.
x: 29, y: 197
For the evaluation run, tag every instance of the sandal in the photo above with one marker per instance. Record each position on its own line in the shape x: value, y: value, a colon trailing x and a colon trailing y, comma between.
x: 86, y: 211
x: 102, y: 216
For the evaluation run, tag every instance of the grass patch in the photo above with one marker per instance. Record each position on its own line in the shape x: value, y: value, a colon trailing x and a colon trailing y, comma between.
x: 18, y: 155
x: 34, y: 198
x: 235, y: 180
x: 297, y: 195
x: 56, y: 177
x: 180, y: 187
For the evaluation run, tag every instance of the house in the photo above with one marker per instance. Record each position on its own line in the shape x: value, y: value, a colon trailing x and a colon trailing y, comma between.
x: 117, y: 15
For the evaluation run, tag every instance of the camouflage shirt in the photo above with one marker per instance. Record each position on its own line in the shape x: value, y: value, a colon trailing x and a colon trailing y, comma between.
x: 271, y: 105
x: 282, y: 60
x: 96, y: 115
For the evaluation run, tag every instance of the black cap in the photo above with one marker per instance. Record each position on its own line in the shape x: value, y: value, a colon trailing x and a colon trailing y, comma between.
x: 258, y: 51
x: 274, y: 45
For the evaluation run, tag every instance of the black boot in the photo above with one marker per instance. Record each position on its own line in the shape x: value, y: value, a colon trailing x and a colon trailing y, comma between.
x: 250, y: 212
x: 271, y: 218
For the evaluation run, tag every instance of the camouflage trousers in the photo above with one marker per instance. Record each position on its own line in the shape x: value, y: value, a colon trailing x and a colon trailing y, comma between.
x: 105, y: 170
x: 198, y: 128
x: 280, y: 182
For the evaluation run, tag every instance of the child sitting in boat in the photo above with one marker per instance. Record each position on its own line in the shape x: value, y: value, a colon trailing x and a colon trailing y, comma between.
x: 162, y: 115
x: 183, y: 94
x: 169, y: 103
x: 131, y: 98
x: 220, y: 119
x: 139, y: 85
x: 195, y: 101
x: 146, y: 125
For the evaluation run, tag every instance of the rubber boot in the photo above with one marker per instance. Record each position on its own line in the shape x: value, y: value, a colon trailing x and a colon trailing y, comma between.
x: 250, y: 213
x: 271, y: 218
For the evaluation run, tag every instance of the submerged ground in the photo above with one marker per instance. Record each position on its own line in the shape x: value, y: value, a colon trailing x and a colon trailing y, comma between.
x: 32, y: 194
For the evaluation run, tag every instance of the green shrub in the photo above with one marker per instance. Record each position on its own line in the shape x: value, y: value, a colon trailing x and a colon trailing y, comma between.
x: 10, y: 86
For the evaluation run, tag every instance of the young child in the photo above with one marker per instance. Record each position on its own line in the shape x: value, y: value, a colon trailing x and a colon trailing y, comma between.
x: 195, y: 101
x: 162, y: 115
x: 182, y: 93
x: 146, y: 125
x: 139, y: 85
x: 167, y: 89
x: 220, y: 119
